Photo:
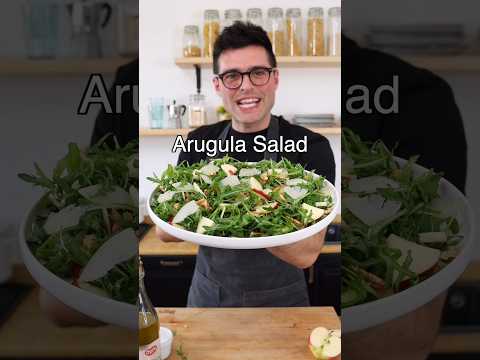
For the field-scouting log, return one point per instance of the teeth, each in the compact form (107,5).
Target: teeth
(249,101)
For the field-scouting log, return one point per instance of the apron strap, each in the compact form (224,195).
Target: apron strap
(273,132)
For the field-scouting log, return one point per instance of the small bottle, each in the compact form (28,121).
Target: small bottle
(335,31)
(191,41)
(232,15)
(315,32)
(211,30)
(197,115)
(254,16)
(276,30)
(148,325)
(294,32)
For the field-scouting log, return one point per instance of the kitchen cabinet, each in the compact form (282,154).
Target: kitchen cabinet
(168,274)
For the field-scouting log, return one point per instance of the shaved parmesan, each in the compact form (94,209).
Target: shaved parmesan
(315,212)
(197,189)
(297,181)
(65,218)
(265,209)
(184,187)
(206,179)
(119,248)
(248,172)
(281,173)
(209,169)
(372,184)
(113,198)
(433,237)
(295,192)
(321,204)
(231,180)
(204,222)
(423,257)
(186,210)
(371,209)
(166,196)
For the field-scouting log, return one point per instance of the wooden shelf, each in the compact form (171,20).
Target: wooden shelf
(458,63)
(26,67)
(283,61)
(174,132)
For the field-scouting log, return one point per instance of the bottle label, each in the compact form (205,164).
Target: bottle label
(150,351)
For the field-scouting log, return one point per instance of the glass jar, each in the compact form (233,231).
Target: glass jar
(294,32)
(254,16)
(276,30)
(197,115)
(315,32)
(232,15)
(211,30)
(335,31)
(191,41)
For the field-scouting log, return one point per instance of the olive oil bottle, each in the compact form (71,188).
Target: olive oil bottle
(148,325)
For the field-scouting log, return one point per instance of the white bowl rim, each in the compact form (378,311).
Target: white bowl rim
(242,242)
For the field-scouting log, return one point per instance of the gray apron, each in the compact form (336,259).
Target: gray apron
(246,278)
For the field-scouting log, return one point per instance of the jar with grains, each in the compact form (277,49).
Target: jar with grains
(315,32)
(232,15)
(211,30)
(191,41)
(254,16)
(334,31)
(276,30)
(294,32)
(197,115)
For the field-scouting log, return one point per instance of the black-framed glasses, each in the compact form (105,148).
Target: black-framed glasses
(233,79)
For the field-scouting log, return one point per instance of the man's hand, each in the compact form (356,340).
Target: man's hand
(162,235)
(301,254)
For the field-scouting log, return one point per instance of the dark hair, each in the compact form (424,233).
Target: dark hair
(239,35)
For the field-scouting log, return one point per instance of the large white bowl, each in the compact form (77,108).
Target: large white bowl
(106,310)
(451,202)
(247,243)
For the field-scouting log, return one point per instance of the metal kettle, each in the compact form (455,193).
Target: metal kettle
(88,18)
(176,112)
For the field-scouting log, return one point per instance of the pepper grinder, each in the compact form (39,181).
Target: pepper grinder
(175,113)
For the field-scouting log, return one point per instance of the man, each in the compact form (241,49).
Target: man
(246,78)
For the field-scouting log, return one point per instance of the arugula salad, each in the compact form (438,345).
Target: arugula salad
(84,229)
(229,198)
(392,235)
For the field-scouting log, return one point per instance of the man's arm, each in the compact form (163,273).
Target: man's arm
(301,254)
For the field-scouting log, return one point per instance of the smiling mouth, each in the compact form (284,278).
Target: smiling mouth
(248,103)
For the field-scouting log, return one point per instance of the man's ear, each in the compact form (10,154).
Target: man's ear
(216,84)
(276,77)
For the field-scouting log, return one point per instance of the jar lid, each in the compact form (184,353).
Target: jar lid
(254,13)
(275,12)
(315,12)
(335,11)
(190,29)
(211,14)
(293,12)
(233,14)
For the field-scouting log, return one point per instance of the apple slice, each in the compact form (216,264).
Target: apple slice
(229,169)
(255,184)
(315,212)
(325,344)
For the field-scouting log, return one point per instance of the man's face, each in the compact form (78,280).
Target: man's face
(249,104)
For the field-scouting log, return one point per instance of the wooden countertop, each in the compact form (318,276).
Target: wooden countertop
(152,246)
(28,333)
(246,333)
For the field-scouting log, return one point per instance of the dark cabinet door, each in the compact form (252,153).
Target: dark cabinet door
(168,279)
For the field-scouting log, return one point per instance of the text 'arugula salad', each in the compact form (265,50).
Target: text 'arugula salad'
(229,198)
(392,235)
(84,231)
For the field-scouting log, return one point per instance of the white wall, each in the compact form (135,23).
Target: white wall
(161,30)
